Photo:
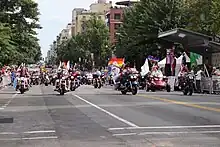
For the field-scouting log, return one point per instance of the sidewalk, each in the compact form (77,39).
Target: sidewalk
(5,81)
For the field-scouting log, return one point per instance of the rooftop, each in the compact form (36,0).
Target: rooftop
(127,3)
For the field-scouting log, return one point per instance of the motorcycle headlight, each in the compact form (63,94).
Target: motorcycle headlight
(72,77)
(134,77)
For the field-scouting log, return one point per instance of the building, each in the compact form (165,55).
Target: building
(51,53)
(81,16)
(75,12)
(114,21)
(215,59)
(114,18)
(65,34)
(101,7)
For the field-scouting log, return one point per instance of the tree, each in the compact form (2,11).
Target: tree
(93,40)
(205,17)
(97,40)
(21,17)
(138,36)
(6,45)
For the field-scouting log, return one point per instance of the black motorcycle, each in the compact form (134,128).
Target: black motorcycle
(142,82)
(129,85)
(72,83)
(97,82)
(35,80)
(110,80)
(188,84)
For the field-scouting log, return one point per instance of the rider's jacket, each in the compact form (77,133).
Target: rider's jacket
(23,72)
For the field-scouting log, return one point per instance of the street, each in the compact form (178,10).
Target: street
(92,117)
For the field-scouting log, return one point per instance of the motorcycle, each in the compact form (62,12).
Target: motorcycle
(97,83)
(83,80)
(188,84)
(142,82)
(103,79)
(53,80)
(110,80)
(46,80)
(78,81)
(131,85)
(157,83)
(22,85)
(88,79)
(61,86)
(72,83)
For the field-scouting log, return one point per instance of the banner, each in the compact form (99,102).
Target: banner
(152,58)
(116,62)
(145,68)
(65,65)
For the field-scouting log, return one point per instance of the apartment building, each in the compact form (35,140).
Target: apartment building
(114,18)
(65,34)
(75,13)
(100,8)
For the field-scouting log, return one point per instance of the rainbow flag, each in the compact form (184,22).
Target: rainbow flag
(116,62)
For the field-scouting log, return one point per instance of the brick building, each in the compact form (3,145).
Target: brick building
(114,20)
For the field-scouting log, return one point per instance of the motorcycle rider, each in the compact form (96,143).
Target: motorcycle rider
(124,72)
(23,72)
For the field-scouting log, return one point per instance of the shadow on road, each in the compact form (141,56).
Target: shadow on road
(8,93)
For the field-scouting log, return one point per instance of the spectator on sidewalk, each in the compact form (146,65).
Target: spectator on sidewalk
(198,80)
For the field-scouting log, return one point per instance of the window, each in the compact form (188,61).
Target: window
(117,16)
(117,26)
(83,27)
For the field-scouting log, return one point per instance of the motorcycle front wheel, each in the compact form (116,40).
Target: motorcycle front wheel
(22,90)
(185,91)
(134,90)
(191,89)
(124,92)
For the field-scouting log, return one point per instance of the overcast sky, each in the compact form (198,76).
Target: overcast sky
(55,15)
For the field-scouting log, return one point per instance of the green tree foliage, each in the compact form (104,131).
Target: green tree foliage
(94,39)
(19,20)
(205,16)
(138,36)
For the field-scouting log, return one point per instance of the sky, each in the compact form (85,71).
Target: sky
(55,15)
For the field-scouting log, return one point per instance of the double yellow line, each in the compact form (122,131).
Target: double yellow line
(181,103)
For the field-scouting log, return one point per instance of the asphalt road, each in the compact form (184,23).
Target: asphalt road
(102,117)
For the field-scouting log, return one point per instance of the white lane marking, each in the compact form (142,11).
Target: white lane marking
(166,127)
(43,131)
(5,105)
(107,112)
(167,133)
(8,133)
(28,132)
(1,108)
(37,138)
(28,138)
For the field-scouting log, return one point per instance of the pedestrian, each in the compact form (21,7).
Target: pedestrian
(198,80)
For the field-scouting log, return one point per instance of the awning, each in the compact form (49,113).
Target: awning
(214,47)
(192,41)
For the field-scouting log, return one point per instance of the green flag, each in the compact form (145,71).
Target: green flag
(195,59)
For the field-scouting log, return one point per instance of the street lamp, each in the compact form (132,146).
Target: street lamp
(92,57)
